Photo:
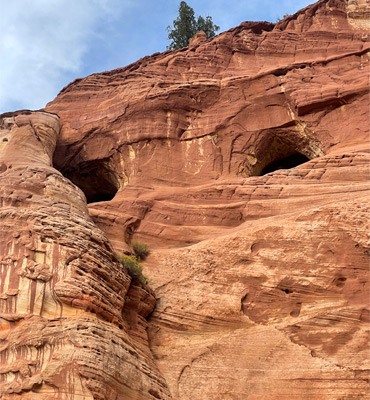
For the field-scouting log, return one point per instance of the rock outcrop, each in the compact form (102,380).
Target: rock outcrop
(157,131)
(63,294)
(198,38)
(244,162)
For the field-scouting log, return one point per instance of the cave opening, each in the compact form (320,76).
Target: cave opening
(288,162)
(96,179)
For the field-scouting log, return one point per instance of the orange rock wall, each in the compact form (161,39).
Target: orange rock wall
(261,280)
(220,110)
(63,333)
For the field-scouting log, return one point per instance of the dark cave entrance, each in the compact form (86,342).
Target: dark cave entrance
(96,179)
(288,162)
(272,152)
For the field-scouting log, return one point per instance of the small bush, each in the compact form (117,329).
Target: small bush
(133,268)
(141,250)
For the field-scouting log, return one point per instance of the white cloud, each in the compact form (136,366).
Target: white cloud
(42,45)
(45,44)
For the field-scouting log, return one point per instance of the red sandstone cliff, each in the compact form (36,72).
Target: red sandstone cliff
(64,332)
(261,275)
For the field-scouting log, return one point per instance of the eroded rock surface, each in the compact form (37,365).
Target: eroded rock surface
(63,333)
(180,123)
(273,300)
(244,162)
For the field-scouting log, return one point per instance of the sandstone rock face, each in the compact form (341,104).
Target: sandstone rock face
(63,333)
(159,130)
(244,162)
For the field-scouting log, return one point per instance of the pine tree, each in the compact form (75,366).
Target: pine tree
(207,26)
(185,26)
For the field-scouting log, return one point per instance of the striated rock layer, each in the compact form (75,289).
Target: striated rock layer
(180,124)
(244,162)
(63,294)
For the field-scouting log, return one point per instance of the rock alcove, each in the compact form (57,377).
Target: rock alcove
(272,153)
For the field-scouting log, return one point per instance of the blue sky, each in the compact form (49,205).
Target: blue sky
(45,44)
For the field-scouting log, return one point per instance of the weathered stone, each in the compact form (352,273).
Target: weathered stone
(158,130)
(62,291)
(198,38)
(244,162)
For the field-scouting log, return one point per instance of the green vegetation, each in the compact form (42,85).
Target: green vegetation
(141,250)
(280,19)
(185,26)
(133,268)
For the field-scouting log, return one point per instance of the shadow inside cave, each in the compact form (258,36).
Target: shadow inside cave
(96,179)
(285,163)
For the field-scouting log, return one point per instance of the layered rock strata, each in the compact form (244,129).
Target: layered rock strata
(279,308)
(273,300)
(220,110)
(63,331)
(244,162)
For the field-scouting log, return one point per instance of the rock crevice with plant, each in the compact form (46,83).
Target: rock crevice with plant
(132,263)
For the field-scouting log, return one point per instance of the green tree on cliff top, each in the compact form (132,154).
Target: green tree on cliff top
(185,26)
